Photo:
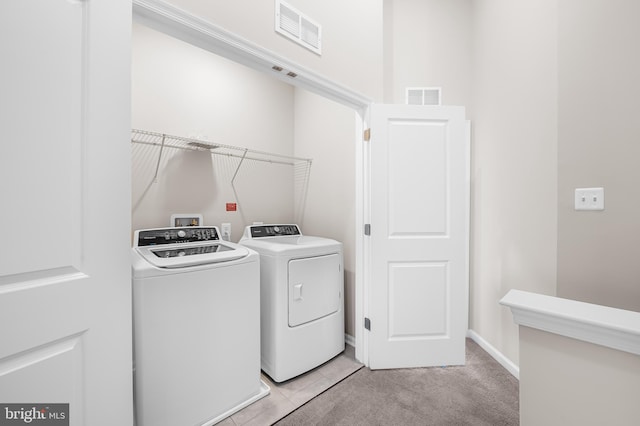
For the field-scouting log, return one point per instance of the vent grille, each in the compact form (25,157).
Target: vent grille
(298,27)
(289,21)
(423,96)
(310,33)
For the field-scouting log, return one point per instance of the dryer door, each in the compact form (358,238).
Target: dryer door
(315,288)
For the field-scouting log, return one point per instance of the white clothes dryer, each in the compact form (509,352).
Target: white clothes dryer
(196,317)
(301,298)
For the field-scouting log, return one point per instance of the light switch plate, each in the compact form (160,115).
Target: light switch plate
(589,199)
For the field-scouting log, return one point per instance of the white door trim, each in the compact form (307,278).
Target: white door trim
(169,19)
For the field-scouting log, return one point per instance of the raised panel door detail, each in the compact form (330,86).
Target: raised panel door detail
(412,288)
(40,166)
(54,369)
(418,178)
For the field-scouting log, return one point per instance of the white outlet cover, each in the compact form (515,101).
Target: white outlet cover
(589,199)
(225,230)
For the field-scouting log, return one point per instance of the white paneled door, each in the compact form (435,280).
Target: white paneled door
(419,177)
(65,286)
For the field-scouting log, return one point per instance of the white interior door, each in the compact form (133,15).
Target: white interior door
(419,174)
(65,286)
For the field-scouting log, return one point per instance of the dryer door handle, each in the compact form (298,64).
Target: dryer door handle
(297,292)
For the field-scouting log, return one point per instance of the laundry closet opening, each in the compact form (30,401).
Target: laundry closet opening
(182,90)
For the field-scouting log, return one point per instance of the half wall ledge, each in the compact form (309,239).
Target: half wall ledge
(610,327)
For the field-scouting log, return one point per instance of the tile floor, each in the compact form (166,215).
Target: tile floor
(287,396)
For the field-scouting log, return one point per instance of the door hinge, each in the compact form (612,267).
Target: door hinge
(367,229)
(367,323)
(367,135)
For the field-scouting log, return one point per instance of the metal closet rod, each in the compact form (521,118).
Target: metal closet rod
(163,140)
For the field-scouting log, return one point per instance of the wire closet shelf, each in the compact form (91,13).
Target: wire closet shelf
(163,140)
(302,166)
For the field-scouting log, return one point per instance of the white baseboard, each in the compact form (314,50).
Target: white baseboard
(496,354)
(350,340)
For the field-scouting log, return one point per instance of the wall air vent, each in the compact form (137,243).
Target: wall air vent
(423,95)
(297,27)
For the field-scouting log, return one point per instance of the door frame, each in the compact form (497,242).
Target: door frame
(194,30)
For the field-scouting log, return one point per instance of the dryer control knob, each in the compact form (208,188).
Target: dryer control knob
(181,233)
(276,228)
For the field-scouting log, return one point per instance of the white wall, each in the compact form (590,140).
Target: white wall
(325,131)
(514,176)
(555,91)
(351,35)
(599,100)
(185,91)
(498,59)
(428,43)
(564,381)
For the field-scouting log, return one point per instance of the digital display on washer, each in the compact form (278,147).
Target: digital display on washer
(191,251)
(192,234)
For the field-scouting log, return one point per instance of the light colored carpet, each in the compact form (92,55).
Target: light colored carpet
(480,393)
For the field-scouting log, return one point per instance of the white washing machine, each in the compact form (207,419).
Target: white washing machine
(301,298)
(196,316)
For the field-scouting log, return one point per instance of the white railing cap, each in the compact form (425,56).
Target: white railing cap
(611,327)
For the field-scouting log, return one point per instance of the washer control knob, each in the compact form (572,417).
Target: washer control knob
(182,234)
(276,228)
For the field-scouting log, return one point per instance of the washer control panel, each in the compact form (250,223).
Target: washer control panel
(258,231)
(188,234)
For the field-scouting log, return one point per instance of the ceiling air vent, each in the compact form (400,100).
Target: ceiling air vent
(423,95)
(297,27)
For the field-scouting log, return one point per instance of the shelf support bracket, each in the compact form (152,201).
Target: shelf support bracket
(155,176)
(233,186)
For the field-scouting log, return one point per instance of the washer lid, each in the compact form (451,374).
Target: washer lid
(185,246)
(183,255)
